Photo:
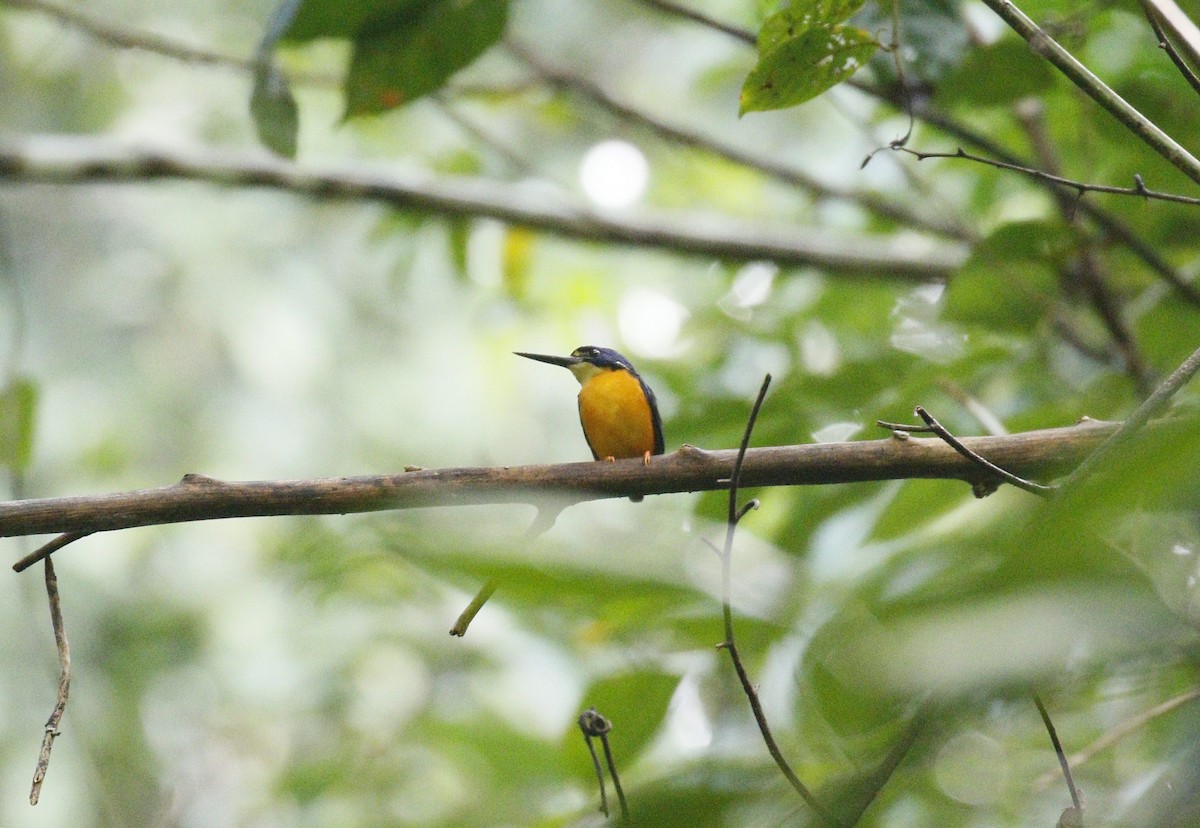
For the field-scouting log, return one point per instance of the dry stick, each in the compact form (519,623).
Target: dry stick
(1058,750)
(730,643)
(1112,226)
(1154,405)
(1139,188)
(612,772)
(64,683)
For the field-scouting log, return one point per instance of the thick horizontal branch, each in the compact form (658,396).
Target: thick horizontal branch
(74,160)
(1029,454)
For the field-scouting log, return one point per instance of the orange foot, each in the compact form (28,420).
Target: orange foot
(610,459)
(646,459)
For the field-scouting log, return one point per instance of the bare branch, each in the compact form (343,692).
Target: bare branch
(77,160)
(1059,752)
(64,683)
(736,513)
(1120,731)
(676,10)
(982,462)
(1096,89)
(1139,189)
(125,39)
(1159,12)
(196,497)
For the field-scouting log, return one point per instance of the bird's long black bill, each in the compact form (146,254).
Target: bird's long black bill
(565,362)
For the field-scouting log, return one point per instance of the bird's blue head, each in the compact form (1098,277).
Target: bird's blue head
(586,361)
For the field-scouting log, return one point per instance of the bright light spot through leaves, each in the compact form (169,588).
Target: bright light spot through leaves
(614,174)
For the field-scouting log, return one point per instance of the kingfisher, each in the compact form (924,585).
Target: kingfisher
(617,409)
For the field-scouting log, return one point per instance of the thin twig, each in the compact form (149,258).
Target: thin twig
(1123,729)
(43,552)
(896,48)
(1005,475)
(542,522)
(1139,188)
(595,726)
(1154,405)
(586,726)
(1167,46)
(612,772)
(1183,30)
(64,683)
(468,615)
(730,642)
(1058,750)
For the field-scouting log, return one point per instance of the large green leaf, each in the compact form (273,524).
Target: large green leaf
(796,63)
(400,57)
(635,704)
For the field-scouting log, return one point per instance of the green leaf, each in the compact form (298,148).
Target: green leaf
(401,57)
(997,75)
(796,20)
(800,68)
(318,19)
(273,108)
(635,704)
(1011,280)
(18,404)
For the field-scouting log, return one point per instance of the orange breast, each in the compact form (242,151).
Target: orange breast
(616,416)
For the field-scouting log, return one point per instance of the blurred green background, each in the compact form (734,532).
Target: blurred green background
(298,671)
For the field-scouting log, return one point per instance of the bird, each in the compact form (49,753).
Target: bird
(617,409)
